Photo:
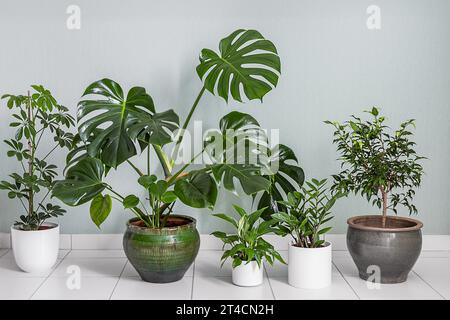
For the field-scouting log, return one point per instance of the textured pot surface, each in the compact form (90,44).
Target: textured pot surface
(309,268)
(247,274)
(385,254)
(162,255)
(35,251)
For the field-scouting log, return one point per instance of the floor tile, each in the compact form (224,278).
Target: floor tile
(18,288)
(439,283)
(413,288)
(338,290)
(89,267)
(221,288)
(9,269)
(135,289)
(3,252)
(130,271)
(90,288)
(208,264)
(433,267)
(278,269)
(96,254)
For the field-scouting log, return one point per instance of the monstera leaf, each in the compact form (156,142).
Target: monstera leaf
(246,59)
(249,176)
(197,190)
(83,182)
(156,128)
(284,176)
(239,140)
(112,132)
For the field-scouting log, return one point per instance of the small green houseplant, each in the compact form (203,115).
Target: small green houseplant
(37,116)
(307,212)
(383,166)
(114,127)
(248,248)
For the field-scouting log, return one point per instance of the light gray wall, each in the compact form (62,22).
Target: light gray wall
(333,66)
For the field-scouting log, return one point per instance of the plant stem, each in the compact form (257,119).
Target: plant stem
(185,125)
(139,172)
(167,167)
(30,161)
(50,152)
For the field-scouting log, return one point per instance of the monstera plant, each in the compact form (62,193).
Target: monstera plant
(114,127)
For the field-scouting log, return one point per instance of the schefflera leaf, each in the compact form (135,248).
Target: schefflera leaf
(245,59)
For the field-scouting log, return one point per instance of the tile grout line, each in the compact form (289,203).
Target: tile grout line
(6,252)
(193,275)
(426,282)
(268,280)
(345,279)
(47,277)
(120,276)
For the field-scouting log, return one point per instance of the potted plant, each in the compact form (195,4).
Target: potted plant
(383,167)
(309,257)
(248,249)
(114,126)
(35,241)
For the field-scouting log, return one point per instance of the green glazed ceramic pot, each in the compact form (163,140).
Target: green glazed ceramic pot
(162,255)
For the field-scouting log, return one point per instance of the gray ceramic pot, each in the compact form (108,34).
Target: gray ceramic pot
(392,249)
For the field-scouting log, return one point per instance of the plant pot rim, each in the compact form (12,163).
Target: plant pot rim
(51,225)
(327,245)
(356,223)
(191,225)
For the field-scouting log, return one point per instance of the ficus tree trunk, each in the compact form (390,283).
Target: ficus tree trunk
(385,205)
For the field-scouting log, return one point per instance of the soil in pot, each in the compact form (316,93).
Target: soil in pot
(384,254)
(165,254)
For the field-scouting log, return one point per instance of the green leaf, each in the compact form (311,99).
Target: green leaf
(157,189)
(197,190)
(169,197)
(130,201)
(147,180)
(249,177)
(109,129)
(230,69)
(83,182)
(226,218)
(100,208)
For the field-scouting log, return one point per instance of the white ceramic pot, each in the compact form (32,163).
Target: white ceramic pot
(309,268)
(35,251)
(247,274)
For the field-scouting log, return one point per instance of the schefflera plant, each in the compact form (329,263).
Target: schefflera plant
(114,128)
(380,164)
(37,116)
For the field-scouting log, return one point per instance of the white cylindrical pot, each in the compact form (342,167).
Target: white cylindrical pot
(309,268)
(247,274)
(35,251)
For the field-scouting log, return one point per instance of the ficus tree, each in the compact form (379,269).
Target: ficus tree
(114,127)
(380,164)
(37,116)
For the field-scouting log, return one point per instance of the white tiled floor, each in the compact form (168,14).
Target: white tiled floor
(106,274)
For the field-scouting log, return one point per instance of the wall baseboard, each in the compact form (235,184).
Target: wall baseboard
(208,242)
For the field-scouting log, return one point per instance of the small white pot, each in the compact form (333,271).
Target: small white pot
(309,268)
(247,274)
(35,251)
